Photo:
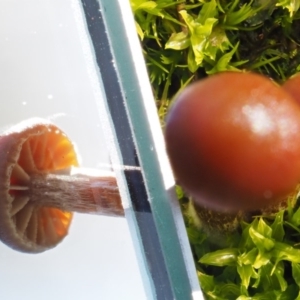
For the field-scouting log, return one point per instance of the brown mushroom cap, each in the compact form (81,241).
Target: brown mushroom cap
(32,147)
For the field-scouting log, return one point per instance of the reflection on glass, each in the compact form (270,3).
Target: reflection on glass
(46,71)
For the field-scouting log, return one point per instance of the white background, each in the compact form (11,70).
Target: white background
(43,73)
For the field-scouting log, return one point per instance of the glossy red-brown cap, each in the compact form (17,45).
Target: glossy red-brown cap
(233,140)
(292,86)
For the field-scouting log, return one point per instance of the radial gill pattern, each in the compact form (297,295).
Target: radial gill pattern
(40,148)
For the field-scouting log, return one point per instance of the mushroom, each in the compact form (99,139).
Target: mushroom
(41,185)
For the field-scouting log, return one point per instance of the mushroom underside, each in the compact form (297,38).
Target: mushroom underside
(24,225)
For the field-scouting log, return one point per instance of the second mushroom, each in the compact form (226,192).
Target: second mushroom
(41,185)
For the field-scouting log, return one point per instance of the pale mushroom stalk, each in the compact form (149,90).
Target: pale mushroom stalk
(72,189)
(41,186)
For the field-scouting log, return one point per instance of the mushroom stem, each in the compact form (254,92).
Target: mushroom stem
(40,188)
(75,189)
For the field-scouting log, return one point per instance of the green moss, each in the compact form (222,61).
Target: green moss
(238,256)
(186,40)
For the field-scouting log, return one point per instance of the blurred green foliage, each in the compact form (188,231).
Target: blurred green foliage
(187,40)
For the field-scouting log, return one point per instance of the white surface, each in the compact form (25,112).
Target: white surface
(43,74)
(96,261)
